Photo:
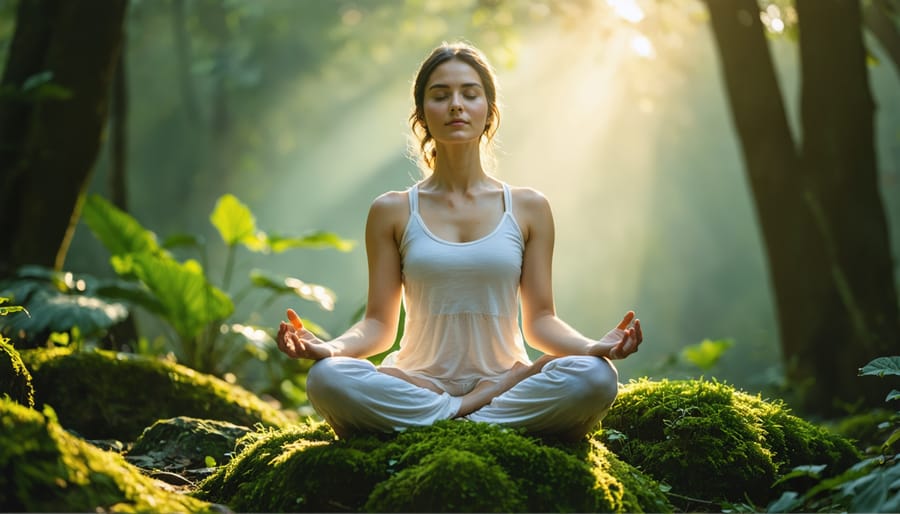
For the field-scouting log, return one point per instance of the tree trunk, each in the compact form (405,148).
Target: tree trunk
(118,183)
(49,145)
(822,345)
(839,159)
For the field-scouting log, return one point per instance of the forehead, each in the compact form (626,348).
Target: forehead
(454,72)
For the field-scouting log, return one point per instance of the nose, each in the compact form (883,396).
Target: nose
(455,104)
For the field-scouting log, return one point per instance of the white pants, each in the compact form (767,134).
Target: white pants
(566,399)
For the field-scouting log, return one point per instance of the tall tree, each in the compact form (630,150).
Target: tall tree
(817,200)
(53,111)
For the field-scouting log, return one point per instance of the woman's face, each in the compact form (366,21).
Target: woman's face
(455,106)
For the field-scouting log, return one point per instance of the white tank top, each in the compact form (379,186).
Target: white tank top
(462,303)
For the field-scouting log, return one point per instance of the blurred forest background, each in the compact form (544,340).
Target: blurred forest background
(630,115)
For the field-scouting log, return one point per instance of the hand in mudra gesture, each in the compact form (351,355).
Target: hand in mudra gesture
(621,341)
(298,343)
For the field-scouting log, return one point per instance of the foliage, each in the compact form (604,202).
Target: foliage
(107,395)
(15,381)
(746,442)
(453,465)
(706,353)
(67,307)
(182,293)
(870,485)
(44,468)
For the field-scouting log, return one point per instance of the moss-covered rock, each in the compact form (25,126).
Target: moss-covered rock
(43,468)
(108,395)
(708,440)
(180,443)
(450,466)
(15,380)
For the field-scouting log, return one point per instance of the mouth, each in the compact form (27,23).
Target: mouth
(457,123)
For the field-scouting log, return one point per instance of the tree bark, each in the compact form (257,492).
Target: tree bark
(837,113)
(49,146)
(118,170)
(825,309)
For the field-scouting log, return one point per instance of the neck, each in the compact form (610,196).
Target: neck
(458,167)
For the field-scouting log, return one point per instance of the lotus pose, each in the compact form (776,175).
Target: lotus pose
(468,255)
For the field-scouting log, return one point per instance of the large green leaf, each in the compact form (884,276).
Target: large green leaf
(188,300)
(234,221)
(281,284)
(117,230)
(881,366)
(314,240)
(52,311)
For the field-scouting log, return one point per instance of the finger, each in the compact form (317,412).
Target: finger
(295,319)
(639,333)
(626,320)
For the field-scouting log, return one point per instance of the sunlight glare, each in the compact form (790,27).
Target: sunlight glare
(628,10)
(642,46)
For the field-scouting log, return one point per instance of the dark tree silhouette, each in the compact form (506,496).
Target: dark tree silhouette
(817,199)
(50,136)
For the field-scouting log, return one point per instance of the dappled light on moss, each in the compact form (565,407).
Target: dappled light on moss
(452,465)
(15,380)
(43,468)
(685,432)
(102,394)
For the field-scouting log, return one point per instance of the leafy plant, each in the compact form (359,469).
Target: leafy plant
(68,307)
(182,293)
(871,485)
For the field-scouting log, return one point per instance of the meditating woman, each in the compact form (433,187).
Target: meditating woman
(467,254)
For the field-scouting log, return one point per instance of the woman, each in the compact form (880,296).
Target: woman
(462,248)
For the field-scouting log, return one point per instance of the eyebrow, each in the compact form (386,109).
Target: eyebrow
(445,86)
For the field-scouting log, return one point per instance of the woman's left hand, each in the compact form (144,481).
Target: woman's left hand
(621,341)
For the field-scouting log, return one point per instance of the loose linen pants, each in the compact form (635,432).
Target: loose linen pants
(566,399)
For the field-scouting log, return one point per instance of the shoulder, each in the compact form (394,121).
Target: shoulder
(389,212)
(391,201)
(528,198)
(532,211)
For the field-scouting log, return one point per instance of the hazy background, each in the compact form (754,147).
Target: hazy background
(613,109)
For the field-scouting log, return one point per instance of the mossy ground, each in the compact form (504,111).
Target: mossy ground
(15,380)
(704,439)
(452,466)
(43,468)
(710,441)
(108,395)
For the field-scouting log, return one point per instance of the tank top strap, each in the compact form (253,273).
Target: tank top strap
(413,193)
(507,198)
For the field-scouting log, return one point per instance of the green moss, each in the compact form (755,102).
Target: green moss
(108,395)
(43,468)
(483,486)
(710,441)
(452,465)
(15,380)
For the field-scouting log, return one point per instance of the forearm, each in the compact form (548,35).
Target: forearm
(553,336)
(367,337)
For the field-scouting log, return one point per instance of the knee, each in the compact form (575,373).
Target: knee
(595,381)
(329,377)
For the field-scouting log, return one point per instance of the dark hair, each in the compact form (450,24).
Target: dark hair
(443,53)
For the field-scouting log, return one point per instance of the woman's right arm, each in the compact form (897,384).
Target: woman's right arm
(375,333)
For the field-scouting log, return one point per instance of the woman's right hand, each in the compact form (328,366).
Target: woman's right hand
(301,343)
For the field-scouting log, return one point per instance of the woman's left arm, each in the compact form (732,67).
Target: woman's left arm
(542,328)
